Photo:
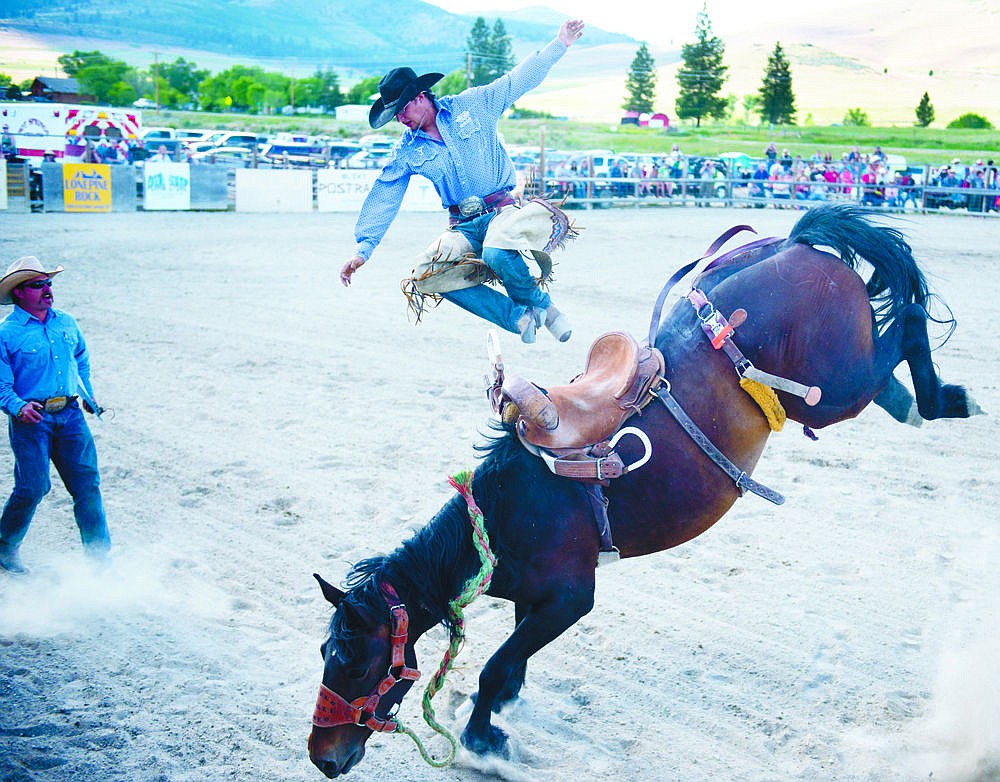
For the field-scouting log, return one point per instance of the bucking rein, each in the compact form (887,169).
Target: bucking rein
(621,377)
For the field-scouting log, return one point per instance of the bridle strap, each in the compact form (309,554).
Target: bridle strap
(333,710)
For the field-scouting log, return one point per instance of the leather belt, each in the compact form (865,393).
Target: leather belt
(55,404)
(474,206)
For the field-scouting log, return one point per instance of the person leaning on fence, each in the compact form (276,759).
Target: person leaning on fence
(44,370)
(453,141)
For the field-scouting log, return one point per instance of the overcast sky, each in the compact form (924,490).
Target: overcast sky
(658,23)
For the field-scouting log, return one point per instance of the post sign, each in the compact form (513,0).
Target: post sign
(86,187)
(343,189)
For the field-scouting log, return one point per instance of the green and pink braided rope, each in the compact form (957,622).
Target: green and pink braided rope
(474,587)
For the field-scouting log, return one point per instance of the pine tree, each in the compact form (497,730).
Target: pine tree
(501,50)
(480,50)
(777,101)
(641,82)
(702,75)
(925,111)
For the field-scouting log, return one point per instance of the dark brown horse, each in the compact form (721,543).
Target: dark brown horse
(811,317)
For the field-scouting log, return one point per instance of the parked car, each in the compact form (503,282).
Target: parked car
(226,138)
(233,157)
(368,158)
(292,154)
(151,134)
(341,151)
(191,134)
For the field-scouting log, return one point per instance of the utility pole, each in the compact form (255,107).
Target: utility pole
(156,81)
(468,70)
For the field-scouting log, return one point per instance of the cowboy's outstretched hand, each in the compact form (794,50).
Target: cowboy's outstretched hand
(349,268)
(571,31)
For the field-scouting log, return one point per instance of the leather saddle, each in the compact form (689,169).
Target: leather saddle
(615,383)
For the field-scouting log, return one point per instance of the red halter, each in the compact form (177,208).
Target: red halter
(333,710)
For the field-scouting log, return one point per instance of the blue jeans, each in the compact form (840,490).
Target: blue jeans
(65,438)
(487,302)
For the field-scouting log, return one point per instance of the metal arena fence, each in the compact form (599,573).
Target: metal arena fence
(26,190)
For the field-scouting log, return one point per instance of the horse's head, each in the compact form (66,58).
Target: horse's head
(368,666)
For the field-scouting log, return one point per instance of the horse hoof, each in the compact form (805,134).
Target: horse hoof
(493,743)
(972,407)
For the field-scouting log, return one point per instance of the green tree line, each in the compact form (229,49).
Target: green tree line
(702,75)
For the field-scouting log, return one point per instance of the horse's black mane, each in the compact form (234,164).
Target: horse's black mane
(429,569)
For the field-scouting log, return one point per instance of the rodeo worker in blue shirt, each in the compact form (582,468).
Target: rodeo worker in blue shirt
(453,142)
(44,370)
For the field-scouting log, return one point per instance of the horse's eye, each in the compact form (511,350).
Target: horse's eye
(357,671)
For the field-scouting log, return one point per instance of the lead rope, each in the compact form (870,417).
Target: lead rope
(474,587)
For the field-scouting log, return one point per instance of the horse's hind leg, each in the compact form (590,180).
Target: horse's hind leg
(934,398)
(898,402)
(540,626)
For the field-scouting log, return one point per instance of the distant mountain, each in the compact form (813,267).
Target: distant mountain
(347,35)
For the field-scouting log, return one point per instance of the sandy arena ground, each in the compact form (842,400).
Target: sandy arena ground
(269,423)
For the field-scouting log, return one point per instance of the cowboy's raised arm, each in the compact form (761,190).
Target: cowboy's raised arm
(500,94)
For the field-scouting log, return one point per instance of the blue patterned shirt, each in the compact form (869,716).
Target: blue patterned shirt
(469,161)
(41,360)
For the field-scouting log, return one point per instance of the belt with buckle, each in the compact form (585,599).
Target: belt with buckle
(474,206)
(55,404)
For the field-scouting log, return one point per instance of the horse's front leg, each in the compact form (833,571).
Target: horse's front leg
(511,688)
(540,625)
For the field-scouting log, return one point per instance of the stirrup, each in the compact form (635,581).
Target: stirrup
(608,557)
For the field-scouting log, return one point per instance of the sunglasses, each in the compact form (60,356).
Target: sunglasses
(37,285)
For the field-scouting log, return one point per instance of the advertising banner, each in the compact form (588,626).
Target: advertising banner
(86,187)
(343,189)
(167,186)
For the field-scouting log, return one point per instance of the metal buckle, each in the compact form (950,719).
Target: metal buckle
(56,404)
(471,206)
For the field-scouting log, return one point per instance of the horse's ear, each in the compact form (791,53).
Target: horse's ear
(330,592)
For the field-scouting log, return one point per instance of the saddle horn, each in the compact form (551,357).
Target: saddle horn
(532,403)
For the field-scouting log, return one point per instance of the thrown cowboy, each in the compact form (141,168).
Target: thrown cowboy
(44,370)
(453,142)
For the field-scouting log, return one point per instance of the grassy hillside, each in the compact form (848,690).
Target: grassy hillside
(879,60)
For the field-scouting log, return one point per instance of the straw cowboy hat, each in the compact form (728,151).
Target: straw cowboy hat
(397,88)
(22,270)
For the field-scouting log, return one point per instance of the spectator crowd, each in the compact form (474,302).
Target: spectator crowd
(783,181)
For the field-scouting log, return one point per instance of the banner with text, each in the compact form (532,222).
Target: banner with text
(345,189)
(86,187)
(167,186)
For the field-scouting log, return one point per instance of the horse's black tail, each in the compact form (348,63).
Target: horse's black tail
(850,230)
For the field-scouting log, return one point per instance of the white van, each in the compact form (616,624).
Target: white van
(601,159)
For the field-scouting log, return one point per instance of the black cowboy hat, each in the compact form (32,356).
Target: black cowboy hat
(397,88)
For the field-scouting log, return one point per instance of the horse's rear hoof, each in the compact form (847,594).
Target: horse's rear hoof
(493,743)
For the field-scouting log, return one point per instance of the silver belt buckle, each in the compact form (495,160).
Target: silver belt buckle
(56,404)
(471,206)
